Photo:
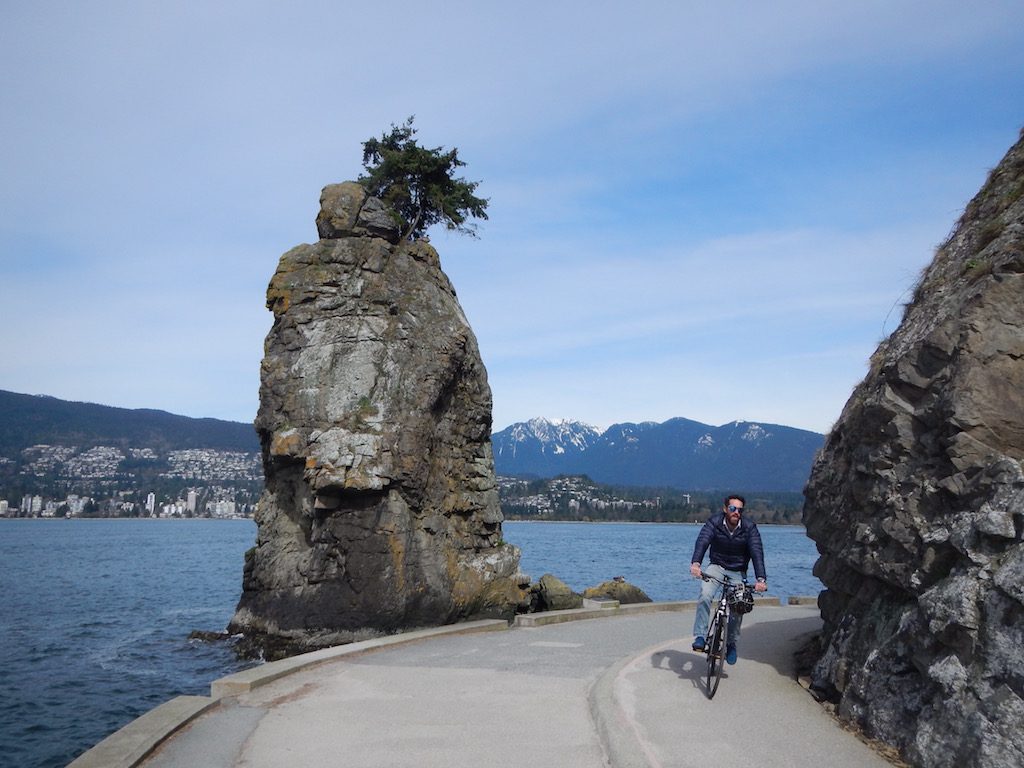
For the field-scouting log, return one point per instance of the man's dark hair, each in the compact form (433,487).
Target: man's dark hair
(736,496)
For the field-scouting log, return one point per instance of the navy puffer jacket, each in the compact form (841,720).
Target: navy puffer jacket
(732,552)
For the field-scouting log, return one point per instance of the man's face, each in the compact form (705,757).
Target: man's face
(733,511)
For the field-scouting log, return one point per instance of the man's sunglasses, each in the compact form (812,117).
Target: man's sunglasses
(734,508)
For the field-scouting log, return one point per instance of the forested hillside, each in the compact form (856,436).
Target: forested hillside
(27,420)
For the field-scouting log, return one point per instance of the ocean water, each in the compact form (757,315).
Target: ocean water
(652,556)
(94,624)
(95,614)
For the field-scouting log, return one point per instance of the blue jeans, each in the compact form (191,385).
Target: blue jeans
(711,592)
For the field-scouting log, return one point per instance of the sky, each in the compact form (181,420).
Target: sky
(707,210)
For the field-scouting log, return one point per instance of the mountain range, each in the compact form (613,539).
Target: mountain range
(678,453)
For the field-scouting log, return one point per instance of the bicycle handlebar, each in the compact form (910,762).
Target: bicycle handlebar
(727,582)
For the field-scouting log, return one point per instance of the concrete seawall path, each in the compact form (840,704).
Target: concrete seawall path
(620,690)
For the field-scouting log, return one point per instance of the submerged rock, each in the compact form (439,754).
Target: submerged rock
(381,508)
(916,504)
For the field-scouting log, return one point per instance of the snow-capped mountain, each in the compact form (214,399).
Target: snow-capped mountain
(542,446)
(678,453)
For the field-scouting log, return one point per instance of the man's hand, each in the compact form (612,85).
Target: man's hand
(761,586)
(695,570)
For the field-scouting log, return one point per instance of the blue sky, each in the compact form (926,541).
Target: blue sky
(701,210)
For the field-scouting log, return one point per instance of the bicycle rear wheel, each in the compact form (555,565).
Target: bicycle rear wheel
(716,655)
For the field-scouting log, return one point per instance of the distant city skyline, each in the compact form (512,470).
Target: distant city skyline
(698,211)
(73,480)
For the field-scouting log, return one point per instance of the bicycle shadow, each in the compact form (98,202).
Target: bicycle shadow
(772,643)
(687,665)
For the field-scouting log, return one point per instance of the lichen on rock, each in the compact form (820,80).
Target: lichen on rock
(916,503)
(381,507)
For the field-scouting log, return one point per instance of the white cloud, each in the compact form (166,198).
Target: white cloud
(669,183)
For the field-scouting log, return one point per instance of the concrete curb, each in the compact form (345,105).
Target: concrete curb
(614,729)
(247,680)
(801,600)
(130,745)
(613,608)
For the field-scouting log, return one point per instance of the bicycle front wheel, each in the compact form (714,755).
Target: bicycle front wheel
(716,655)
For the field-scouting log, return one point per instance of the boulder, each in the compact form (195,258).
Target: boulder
(380,511)
(553,594)
(617,589)
(347,211)
(916,503)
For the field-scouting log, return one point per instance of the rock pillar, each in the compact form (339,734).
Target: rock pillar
(381,509)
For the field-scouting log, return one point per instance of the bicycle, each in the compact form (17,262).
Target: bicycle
(738,597)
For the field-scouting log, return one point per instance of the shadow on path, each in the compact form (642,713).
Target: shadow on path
(687,665)
(772,643)
(775,643)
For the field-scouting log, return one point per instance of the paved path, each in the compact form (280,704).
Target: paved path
(619,691)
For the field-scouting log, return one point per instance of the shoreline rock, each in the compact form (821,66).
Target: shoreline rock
(380,511)
(916,504)
(617,589)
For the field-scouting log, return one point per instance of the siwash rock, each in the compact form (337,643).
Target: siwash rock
(916,504)
(381,508)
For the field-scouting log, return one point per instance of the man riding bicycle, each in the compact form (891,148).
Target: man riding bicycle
(734,542)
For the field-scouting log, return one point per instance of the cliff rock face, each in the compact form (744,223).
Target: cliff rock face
(381,508)
(916,504)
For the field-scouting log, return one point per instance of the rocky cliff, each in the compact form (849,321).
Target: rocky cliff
(916,504)
(381,508)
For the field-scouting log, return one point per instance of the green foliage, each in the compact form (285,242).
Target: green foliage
(417,183)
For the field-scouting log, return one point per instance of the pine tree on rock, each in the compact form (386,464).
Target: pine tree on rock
(418,185)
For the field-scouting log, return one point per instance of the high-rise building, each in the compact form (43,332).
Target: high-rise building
(151,503)
(190,505)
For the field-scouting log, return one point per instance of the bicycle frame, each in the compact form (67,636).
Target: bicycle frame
(718,630)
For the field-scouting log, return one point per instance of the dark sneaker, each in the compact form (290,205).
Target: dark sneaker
(730,654)
(698,643)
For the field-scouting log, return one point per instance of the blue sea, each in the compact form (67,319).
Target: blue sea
(95,614)
(653,556)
